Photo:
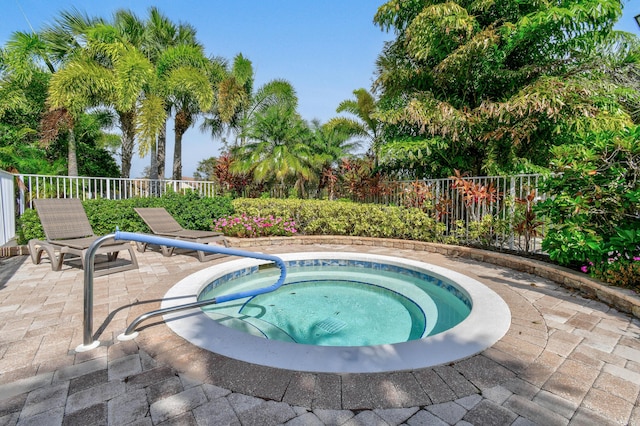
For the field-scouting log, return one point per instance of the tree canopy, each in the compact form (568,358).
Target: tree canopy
(491,86)
(485,87)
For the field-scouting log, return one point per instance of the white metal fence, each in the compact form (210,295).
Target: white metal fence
(7,208)
(491,211)
(40,186)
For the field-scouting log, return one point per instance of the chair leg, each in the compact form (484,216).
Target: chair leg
(205,256)
(37,247)
(134,259)
(108,270)
(167,251)
(35,250)
(57,265)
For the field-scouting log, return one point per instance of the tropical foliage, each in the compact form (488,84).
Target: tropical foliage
(141,70)
(594,213)
(237,104)
(317,217)
(24,146)
(464,88)
(492,86)
(364,125)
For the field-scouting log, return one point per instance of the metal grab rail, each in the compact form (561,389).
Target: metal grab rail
(88,342)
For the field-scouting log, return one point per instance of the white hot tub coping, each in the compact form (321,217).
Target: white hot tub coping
(488,322)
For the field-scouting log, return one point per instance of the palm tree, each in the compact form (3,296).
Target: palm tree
(237,104)
(365,124)
(277,148)
(330,144)
(64,40)
(187,85)
(161,35)
(25,55)
(26,52)
(109,71)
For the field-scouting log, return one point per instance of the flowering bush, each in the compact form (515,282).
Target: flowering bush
(593,215)
(245,226)
(618,269)
(323,217)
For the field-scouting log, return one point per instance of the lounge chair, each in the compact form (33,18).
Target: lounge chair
(68,231)
(163,224)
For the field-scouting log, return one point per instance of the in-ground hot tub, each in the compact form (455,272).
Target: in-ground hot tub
(413,314)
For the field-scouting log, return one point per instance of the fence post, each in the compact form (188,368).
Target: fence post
(512,212)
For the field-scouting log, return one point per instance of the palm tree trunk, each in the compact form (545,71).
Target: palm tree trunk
(127,125)
(182,123)
(154,185)
(72,160)
(153,167)
(177,154)
(162,148)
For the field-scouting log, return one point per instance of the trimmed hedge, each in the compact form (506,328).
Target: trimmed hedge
(190,210)
(322,217)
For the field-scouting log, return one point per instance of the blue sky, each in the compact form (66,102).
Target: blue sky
(326,48)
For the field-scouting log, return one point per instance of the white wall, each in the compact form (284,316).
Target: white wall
(7,208)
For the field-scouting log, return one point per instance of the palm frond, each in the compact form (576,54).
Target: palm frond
(80,84)
(275,92)
(242,71)
(150,119)
(190,82)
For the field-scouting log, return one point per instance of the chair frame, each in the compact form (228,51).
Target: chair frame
(161,223)
(68,231)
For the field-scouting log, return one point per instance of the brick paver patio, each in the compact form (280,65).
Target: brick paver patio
(566,359)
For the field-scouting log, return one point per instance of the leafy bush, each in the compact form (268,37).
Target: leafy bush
(621,272)
(254,226)
(322,217)
(594,213)
(485,232)
(29,227)
(190,210)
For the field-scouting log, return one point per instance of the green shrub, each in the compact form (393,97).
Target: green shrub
(254,226)
(29,227)
(322,217)
(190,210)
(485,232)
(594,211)
(621,272)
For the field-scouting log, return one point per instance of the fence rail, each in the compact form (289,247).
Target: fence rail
(40,186)
(487,211)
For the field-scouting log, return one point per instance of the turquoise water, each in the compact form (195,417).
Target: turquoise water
(339,306)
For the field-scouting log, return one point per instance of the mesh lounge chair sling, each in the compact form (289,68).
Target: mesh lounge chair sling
(68,230)
(163,224)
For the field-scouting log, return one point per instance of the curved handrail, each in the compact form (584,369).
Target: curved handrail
(88,342)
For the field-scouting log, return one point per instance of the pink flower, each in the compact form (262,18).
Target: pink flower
(636,258)
(584,269)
